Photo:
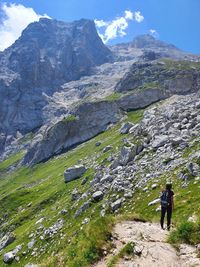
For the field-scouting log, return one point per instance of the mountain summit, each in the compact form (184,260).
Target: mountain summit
(148,41)
(51,52)
(48,54)
(55,65)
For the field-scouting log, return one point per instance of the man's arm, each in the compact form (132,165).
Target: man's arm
(172,201)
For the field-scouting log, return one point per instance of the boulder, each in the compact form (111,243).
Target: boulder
(31,244)
(83,208)
(64,212)
(126,127)
(97,196)
(106,179)
(74,173)
(177,141)
(155,201)
(8,257)
(107,148)
(127,154)
(75,195)
(159,141)
(98,143)
(6,240)
(193,169)
(116,205)
(134,129)
(154,186)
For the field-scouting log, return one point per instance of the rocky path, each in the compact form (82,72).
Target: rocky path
(151,248)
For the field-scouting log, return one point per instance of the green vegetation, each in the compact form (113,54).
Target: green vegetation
(29,194)
(113,97)
(127,250)
(186,232)
(12,160)
(87,247)
(69,118)
(180,64)
(152,85)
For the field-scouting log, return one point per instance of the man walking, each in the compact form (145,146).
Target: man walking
(167,205)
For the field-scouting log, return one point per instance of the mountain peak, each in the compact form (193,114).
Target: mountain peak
(149,41)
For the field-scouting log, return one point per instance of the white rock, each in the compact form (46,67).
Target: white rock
(8,257)
(74,172)
(155,201)
(154,186)
(40,221)
(31,244)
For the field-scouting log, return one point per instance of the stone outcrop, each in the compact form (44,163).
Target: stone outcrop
(91,119)
(165,79)
(126,127)
(73,173)
(167,75)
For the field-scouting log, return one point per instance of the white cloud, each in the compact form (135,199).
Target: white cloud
(116,28)
(100,23)
(16,18)
(154,33)
(128,14)
(138,16)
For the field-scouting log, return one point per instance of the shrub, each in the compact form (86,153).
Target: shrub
(187,232)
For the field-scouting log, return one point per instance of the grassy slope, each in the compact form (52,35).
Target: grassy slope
(44,188)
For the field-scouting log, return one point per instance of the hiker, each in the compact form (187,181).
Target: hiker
(167,205)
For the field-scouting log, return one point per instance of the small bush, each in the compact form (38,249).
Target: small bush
(126,250)
(186,232)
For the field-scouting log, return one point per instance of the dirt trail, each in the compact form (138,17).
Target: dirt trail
(151,247)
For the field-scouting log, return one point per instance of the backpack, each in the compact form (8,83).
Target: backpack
(164,199)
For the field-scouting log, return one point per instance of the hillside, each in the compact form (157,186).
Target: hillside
(58,224)
(87,150)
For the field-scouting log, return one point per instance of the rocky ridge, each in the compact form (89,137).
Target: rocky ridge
(151,148)
(48,54)
(162,136)
(37,95)
(146,83)
(106,182)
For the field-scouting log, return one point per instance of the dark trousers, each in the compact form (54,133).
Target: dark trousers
(169,215)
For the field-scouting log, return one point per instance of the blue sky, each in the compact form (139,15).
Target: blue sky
(175,21)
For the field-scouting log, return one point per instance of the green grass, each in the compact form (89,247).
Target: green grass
(69,118)
(152,85)
(28,194)
(43,186)
(186,232)
(12,160)
(127,250)
(113,97)
(180,64)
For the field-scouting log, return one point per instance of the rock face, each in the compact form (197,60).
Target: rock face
(48,54)
(91,119)
(39,86)
(148,83)
(74,173)
(167,75)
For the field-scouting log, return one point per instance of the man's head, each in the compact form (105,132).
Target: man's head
(168,185)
